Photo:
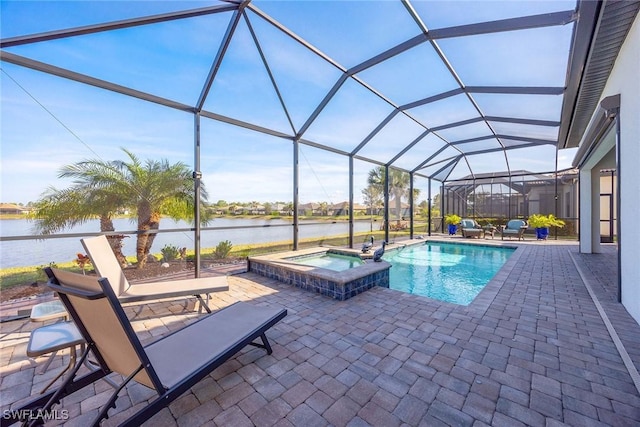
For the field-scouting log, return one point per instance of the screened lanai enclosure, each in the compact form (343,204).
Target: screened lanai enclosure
(410,109)
(488,198)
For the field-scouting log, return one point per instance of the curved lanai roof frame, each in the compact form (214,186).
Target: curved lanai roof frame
(484,132)
(438,92)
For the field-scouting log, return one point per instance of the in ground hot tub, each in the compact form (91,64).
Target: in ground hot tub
(330,272)
(329,260)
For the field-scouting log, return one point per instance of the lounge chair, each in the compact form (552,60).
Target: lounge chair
(169,366)
(470,228)
(515,227)
(106,265)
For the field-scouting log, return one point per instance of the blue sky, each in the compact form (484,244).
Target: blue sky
(48,122)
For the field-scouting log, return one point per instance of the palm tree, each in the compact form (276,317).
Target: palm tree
(324,208)
(372,198)
(288,207)
(60,209)
(150,190)
(398,185)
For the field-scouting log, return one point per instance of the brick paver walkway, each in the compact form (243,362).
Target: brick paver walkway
(531,350)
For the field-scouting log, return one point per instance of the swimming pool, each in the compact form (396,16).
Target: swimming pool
(448,272)
(330,261)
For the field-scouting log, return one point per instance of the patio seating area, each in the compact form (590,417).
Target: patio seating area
(532,349)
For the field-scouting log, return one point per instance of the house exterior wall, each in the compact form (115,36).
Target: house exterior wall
(624,81)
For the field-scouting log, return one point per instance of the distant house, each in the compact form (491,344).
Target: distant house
(309,209)
(342,208)
(281,208)
(404,209)
(12,208)
(257,209)
(220,210)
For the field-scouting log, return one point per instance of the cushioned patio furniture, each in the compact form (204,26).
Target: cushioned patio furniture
(170,366)
(470,228)
(516,228)
(106,265)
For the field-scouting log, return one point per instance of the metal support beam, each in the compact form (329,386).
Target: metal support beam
(246,125)
(431,99)
(386,203)
(226,40)
(550,123)
(351,202)
(375,131)
(115,25)
(448,165)
(517,90)
(296,201)
(256,42)
(337,85)
(502,25)
(511,24)
(429,207)
(294,36)
(442,210)
(197,178)
(396,50)
(411,206)
(91,81)
(408,147)
(428,159)
(538,141)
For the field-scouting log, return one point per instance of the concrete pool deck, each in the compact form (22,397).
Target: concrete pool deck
(536,352)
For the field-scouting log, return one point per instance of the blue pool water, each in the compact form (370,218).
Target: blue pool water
(449,272)
(330,261)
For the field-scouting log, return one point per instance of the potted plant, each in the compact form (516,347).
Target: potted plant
(452,220)
(542,223)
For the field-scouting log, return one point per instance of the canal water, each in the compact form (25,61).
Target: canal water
(17,253)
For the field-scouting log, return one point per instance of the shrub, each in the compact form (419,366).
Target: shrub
(545,221)
(42,276)
(82,261)
(452,219)
(169,253)
(223,249)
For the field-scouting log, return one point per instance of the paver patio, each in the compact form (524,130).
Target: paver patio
(531,350)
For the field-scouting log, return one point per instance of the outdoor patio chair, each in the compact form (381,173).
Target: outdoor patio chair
(515,227)
(106,265)
(170,366)
(470,228)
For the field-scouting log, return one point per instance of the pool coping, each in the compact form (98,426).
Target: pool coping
(487,295)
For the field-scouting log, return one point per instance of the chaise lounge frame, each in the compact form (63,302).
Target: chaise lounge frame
(106,265)
(170,365)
